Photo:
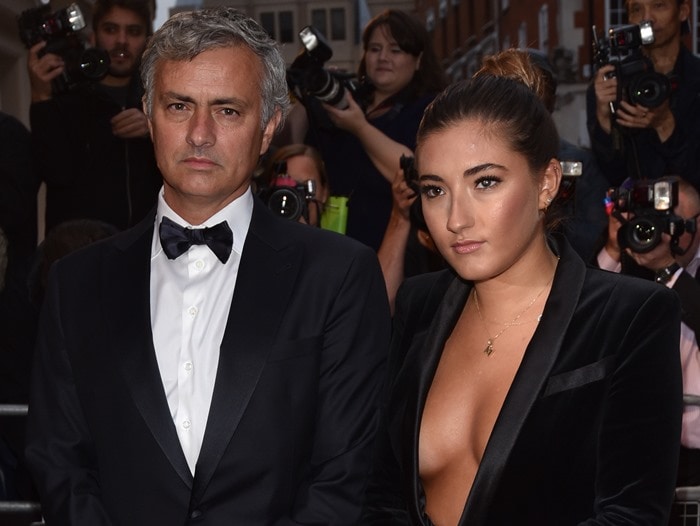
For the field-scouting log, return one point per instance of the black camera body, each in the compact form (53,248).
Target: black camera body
(650,204)
(60,30)
(286,197)
(637,82)
(307,76)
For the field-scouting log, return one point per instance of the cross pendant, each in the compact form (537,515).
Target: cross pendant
(489,348)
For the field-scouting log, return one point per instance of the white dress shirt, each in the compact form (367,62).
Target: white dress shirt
(190,301)
(690,355)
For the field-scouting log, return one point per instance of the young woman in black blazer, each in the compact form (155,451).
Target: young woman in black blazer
(524,387)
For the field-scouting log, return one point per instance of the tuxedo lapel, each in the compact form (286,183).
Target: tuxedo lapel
(532,374)
(126,276)
(265,281)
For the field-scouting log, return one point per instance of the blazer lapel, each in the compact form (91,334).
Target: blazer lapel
(423,357)
(534,370)
(264,283)
(126,275)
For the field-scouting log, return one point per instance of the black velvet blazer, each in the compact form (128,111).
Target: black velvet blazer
(589,431)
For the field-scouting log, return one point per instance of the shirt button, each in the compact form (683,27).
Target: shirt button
(188,366)
(192,311)
(199,264)
(186,423)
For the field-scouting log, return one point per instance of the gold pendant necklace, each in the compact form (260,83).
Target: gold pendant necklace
(488,350)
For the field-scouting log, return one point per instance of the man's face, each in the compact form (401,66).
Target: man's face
(205,125)
(666,17)
(122,34)
(689,209)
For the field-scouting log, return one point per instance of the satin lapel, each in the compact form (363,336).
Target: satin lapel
(540,356)
(424,355)
(266,278)
(127,280)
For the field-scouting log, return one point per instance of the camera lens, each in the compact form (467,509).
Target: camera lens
(94,64)
(640,234)
(326,88)
(649,89)
(286,203)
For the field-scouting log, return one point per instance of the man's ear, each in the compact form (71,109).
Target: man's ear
(269,131)
(549,186)
(144,107)
(684,11)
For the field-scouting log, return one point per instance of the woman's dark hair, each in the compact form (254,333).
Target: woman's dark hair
(508,105)
(413,38)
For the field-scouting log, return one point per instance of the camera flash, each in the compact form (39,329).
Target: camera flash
(646,32)
(75,17)
(308,38)
(662,195)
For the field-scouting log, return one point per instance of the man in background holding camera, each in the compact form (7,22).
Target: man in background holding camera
(91,139)
(673,262)
(642,142)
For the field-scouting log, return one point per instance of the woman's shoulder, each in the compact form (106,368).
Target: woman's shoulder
(624,292)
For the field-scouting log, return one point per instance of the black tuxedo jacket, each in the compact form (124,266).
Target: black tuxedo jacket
(293,414)
(589,431)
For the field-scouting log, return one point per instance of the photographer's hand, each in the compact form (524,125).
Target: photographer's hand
(42,70)
(351,119)
(612,247)
(605,94)
(383,151)
(637,116)
(130,123)
(658,258)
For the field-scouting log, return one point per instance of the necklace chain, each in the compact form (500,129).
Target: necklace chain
(488,350)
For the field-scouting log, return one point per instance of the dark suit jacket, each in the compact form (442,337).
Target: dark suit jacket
(589,431)
(292,419)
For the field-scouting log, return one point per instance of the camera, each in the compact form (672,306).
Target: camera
(410,174)
(638,83)
(650,204)
(286,197)
(307,77)
(60,30)
(571,171)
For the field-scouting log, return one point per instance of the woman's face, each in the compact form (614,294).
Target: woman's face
(302,168)
(481,202)
(388,66)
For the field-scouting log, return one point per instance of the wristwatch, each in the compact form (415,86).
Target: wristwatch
(665,274)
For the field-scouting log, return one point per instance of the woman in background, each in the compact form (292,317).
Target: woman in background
(401,74)
(297,164)
(523,387)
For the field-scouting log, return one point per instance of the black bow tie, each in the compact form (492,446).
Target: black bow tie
(176,240)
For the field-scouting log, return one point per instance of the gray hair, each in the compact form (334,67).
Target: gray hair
(186,35)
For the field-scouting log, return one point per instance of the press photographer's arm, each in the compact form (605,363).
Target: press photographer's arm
(383,151)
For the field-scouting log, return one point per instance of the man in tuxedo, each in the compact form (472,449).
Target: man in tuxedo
(226,372)
(676,268)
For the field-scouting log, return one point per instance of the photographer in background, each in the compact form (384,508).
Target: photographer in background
(361,150)
(290,169)
(91,141)
(677,269)
(641,142)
